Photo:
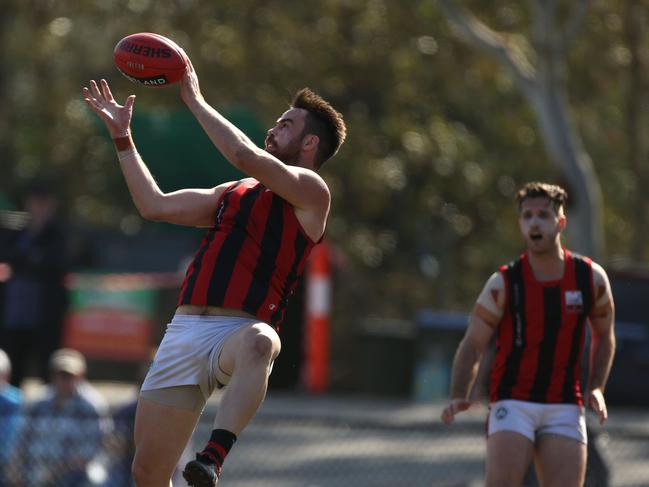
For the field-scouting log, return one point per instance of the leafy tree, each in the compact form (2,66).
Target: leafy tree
(439,135)
(538,67)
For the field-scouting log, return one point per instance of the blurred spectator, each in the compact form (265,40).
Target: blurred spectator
(10,403)
(122,447)
(35,299)
(63,433)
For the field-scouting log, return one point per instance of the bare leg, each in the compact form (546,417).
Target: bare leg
(560,461)
(246,356)
(508,456)
(161,433)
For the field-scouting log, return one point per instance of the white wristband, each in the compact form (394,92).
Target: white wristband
(126,154)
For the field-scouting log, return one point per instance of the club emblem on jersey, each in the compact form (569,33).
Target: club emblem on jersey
(501,412)
(574,302)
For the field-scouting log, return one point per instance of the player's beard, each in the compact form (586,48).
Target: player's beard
(289,154)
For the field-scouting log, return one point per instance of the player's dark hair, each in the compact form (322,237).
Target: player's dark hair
(322,120)
(556,194)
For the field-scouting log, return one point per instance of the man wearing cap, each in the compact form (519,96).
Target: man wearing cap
(63,431)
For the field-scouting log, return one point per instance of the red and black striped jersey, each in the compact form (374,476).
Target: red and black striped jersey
(540,338)
(253,256)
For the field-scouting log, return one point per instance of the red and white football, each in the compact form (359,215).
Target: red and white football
(150,59)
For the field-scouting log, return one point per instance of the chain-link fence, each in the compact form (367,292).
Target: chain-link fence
(288,451)
(301,449)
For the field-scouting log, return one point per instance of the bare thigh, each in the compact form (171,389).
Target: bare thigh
(161,434)
(560,461)
(508,457)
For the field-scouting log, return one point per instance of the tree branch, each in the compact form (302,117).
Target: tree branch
(480,35)
(575,21)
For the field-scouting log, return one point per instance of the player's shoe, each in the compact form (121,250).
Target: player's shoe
(199,473)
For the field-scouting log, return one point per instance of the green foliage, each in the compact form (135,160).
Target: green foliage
(439,137)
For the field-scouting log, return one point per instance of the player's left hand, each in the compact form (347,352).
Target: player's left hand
(595,401)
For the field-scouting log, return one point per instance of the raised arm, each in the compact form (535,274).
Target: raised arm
(301,187)
(602,347)
(192,207)
(483,322)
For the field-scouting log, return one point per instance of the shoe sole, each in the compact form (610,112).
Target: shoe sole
(196,476)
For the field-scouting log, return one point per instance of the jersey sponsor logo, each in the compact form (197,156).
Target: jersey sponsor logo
(574,302)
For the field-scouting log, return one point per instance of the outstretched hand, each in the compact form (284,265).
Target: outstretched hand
(595,401)
(454,407)
(116,117)
(190,90)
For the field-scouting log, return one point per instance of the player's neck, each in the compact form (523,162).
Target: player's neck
(547,266)
(300,162)
(306,161)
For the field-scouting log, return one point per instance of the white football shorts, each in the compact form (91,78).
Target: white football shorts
(532,419)
(189,352)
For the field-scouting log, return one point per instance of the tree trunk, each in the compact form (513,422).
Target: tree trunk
(544,87)
(635,28)
(585,231)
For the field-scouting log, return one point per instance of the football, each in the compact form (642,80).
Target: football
(150,59)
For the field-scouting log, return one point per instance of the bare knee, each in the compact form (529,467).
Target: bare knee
(260,347)
(502,481)
(141,474)
(146,474)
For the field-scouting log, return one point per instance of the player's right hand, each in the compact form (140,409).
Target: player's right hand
(116,117)
(190,90)
(595,400)
(454,407)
